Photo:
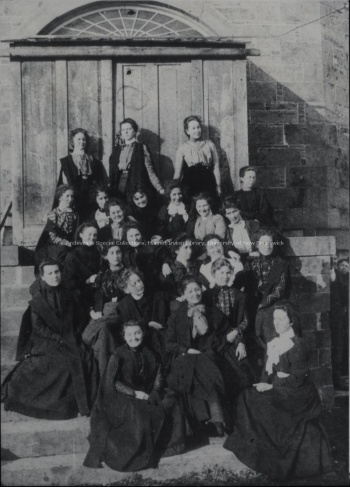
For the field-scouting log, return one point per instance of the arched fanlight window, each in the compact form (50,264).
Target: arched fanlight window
(121,21)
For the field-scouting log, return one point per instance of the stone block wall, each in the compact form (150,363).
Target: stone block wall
(309,260)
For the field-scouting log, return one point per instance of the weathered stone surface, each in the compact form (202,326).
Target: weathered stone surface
(314,302)
(271,177)
(11,320)
(303,91)
(299,11)
(301,246)
(8,347)
(311,134)
(341,237)
(316,198)
(327,395)
(325,357)
(9,255)
(27,275)
(282,156)
(261,135)
(273,116)
(322,375)
(9,276)
(15,296)
(261,92)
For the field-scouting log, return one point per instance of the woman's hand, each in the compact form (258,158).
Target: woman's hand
(166,270)
(241,352)
(181,299)
(231,336)
(115,299)
(95,315)
(141,395)
(161,191)
(193,351)
(155,325)
(262,386)
(91,279)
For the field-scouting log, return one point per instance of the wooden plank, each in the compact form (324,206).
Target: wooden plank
(84,101)
(39,161)
(240,120)
(197,87)
(149,132)
(119,97)
(184,99)
(16,142)
(134,97)
(155,52)
(61,113)
(107,103)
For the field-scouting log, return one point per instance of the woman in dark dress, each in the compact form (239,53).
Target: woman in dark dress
(198,343)
(115,210)
(81,266)
(131,164)
(173,216)
(56,239)
(143,210)
(57,378)
(81,171)
(276,430)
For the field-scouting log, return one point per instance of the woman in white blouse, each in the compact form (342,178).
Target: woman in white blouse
(207,222)
(197,162)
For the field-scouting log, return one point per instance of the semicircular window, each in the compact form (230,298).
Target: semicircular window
(124,22)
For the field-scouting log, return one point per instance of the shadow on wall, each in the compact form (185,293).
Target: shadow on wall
(301,157)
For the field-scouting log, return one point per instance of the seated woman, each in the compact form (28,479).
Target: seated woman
(206,222)
(267,281)
(81,171)
(197,162)
(135,420)
(57,378)
(83,263)
(174,215)
(99,197)
(277,431)
(131,164)
(105,300)
(252,201)
(56,240)
(200,349)
(242,233)
(115,210)
(142,210)
(215,249)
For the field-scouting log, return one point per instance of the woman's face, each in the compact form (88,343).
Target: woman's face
(249,179)
(67,198)
(203,208)
(194,130)
(116,214)
(52,275)
(185,251)
(134,237)
(222,276)
(176,196)
(214,249)
(265,245)
(135,285)
(114,256)
(127,131)
(193,293)
(140,199)
(101,199)
(233,214)
(79,141)
(133,336)
(281,321)
(88,236)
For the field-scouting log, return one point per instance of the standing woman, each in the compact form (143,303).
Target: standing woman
(131,164)
(197,162)
(81,171)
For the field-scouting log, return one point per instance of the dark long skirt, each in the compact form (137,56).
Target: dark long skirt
(197,179)
(277,433)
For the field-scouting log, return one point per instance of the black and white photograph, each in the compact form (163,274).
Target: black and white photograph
(174,224)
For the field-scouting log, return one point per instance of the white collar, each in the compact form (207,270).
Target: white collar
(277,347)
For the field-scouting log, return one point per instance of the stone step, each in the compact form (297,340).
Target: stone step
(39,438)
(20,275)
(9,255)
(69,469)
(6,368)
(8,347)
(16,296)
(11,320)
(10,416)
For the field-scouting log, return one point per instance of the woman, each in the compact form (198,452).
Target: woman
(135,420)
(197,162)
(141,209)
(174,215)
(130,164)
(56,240)
(99,198)
(81,171)
(83,263)
(267,281)
(214,248)
(206,222)
(277,431)
(115,210)
(57,378)
(201,349)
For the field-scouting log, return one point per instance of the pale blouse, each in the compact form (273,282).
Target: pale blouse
(202,151)
(240,237)
(213,224)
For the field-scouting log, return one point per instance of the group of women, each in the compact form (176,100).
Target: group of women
(163,313)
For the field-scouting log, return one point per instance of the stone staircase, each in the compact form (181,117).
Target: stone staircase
(43,452)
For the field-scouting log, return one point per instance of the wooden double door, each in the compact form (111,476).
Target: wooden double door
(52,97)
